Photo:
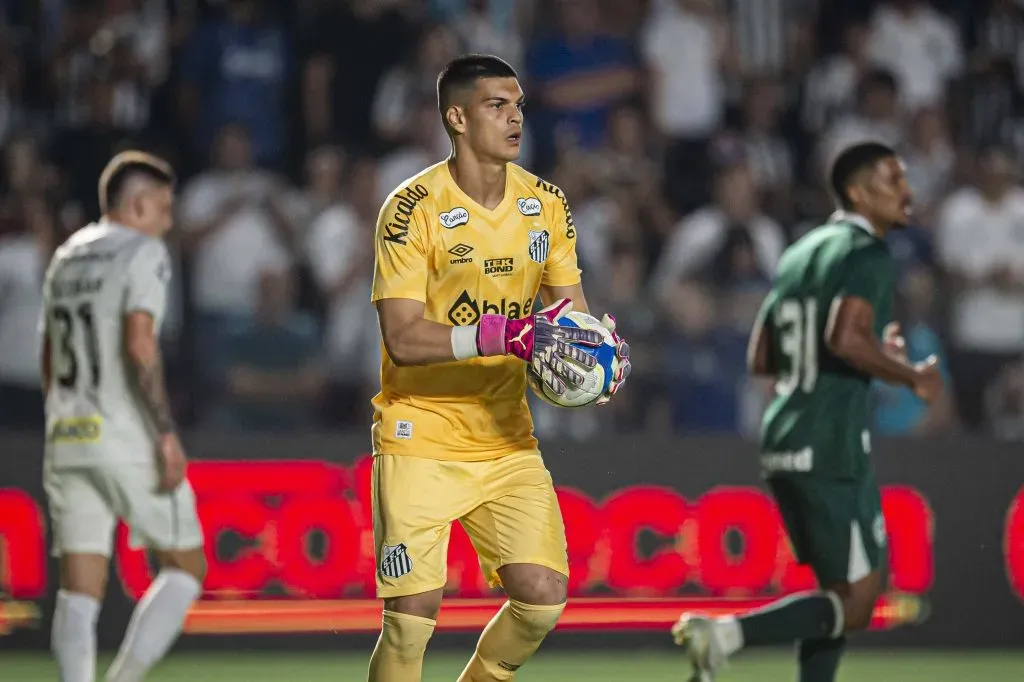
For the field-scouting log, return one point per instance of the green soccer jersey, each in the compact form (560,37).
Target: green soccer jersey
(818,421)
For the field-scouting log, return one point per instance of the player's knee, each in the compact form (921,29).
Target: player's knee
(532,584)
(192,561)
(84,574)
(405,637)
(536,620)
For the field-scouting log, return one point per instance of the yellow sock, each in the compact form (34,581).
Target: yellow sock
(509,640)
(398,656)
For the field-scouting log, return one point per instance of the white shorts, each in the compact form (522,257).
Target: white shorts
(86,502)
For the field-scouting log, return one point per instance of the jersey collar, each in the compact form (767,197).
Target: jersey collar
(855,219)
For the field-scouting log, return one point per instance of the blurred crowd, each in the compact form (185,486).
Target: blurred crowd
(690,136)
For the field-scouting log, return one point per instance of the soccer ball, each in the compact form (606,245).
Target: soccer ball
(598,380)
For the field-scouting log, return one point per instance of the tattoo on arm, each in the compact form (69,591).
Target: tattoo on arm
(149,381)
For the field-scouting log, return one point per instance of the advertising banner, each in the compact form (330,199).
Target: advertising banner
(654,526)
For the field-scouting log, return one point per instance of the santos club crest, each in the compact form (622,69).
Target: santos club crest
(540,244)
(394,561)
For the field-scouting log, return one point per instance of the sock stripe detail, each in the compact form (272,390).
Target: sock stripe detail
(397,615)
(837,607)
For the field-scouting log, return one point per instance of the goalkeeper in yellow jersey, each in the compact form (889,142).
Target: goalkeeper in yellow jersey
(462,252)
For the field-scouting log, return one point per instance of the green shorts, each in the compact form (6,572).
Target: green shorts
(835,525)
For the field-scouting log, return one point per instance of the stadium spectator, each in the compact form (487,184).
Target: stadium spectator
(981,246)
(230,236)
(82,152)
(235,69)
(993,105)
(876,117)
(273,376)
(26,242)
(830,90)
(931,161)
(731,244)
(705,364)
(577,75)
(352,45)
(406,85)
(487,26)
(687,49)
(920,45)
(769,153)
(339,249)
(426,144)
(1004,404)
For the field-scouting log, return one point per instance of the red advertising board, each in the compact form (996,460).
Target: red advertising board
(290,547)
(272,579)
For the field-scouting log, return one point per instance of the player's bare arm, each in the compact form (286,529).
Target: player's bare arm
(851,338)
(759,352)
(410,338)
(146,369)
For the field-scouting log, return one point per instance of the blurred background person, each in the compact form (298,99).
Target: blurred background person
(981,245)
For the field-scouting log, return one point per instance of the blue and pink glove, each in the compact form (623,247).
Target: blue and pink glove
(622,364)
(542,343)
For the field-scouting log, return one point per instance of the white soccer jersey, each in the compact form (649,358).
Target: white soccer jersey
(100,274)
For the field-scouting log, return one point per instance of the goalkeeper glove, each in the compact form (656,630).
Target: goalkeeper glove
(622,364)
(541,343)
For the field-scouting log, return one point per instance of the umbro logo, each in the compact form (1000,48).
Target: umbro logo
(460,251)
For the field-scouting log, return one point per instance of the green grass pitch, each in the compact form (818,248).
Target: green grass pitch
(605,666)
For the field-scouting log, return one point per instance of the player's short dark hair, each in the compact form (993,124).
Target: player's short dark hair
(464,71)
(851,162)
(126,166)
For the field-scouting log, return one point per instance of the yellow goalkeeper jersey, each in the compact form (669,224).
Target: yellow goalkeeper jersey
(436,245)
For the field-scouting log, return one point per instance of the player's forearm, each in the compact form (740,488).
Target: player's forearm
(146,369)
(867,355)
(423,342)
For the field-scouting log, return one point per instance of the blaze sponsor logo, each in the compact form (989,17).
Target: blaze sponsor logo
(467,310)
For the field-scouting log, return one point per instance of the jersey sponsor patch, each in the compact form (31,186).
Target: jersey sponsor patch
(540,244)
(461,253)
(403,429)
(454,217)
(528,205)
(77,430)
(499,267)
(394,561)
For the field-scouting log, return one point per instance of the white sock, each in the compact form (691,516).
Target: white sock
(155,625)
(74,636)
(728,634)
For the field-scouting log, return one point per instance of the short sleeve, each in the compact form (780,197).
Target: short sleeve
(561,269)
(400,248)
(149,273)
(868,274)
